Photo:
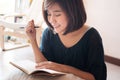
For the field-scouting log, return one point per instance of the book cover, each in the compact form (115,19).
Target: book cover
(28,67)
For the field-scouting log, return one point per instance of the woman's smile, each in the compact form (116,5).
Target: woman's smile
(56,27)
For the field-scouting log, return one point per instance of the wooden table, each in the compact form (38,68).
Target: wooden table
(19,75)
(12,73)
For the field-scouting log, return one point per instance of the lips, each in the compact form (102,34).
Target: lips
(56,27)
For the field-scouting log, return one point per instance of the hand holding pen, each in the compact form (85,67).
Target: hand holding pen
(22,27)
(30,30)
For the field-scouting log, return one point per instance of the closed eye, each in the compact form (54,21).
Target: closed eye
(57,15)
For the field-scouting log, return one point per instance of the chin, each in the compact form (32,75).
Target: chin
(59,31)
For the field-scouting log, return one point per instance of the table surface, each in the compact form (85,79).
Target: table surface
(12,73)
(16,74)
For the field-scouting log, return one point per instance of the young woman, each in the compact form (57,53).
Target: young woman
(68,45)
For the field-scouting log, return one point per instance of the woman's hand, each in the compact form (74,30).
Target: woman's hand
(51,65)
(30,30)
(65,69)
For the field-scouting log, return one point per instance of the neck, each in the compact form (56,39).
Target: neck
(75,33)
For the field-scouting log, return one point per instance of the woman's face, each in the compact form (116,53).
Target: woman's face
(57,18)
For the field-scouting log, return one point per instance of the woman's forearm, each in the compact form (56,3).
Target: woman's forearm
(80,73)
(37,53)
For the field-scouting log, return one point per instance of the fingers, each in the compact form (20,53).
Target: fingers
(50,65)
(31,23)
(45,64)
(30,26)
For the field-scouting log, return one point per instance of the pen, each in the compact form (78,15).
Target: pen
(24,27)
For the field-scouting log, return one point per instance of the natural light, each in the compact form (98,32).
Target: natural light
(12,6)
(7,6)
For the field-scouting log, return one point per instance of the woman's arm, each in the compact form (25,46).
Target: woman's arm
(66,69)
(80,73)
(37,53)
(31,32)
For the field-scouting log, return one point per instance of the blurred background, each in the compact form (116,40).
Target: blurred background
(104,15)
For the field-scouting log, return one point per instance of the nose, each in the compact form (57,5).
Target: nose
(52,19)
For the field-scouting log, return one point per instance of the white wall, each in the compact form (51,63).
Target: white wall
(104,15)
(7,6)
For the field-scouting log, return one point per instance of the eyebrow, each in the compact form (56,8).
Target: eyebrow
(56,11)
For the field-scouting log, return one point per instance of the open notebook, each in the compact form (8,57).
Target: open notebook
(28,67)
